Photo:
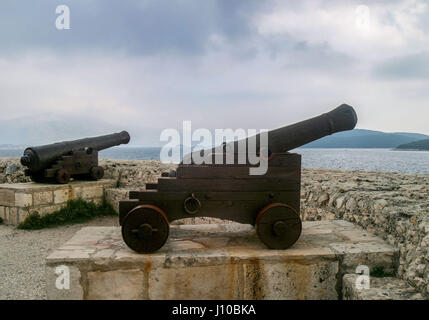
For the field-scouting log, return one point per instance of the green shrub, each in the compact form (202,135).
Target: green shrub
(76,211)
(378,272)
(1,220)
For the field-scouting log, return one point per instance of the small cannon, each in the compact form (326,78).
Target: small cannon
(270,202)
(60,161)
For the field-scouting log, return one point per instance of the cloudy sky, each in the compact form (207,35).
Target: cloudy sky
(148,65)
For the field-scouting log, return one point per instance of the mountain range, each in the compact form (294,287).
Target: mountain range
(417,145)
(46,128)
(360,138)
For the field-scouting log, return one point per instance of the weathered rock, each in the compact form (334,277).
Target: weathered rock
(11,168)
(392,205)
(11,171)
(130,174)
(387,288)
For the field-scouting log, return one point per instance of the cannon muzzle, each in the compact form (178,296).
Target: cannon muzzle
(38,158)
(284,139)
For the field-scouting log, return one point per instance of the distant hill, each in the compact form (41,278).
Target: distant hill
(9,146)
(48,128)
(360,138)
(416,145)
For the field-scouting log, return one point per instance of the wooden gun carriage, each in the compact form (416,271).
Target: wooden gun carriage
(60,161)
(270,202)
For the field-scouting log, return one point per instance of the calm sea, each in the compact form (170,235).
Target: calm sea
(346,159)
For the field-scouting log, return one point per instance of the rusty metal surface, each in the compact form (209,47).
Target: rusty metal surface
(78,159)
(270,202)
(287,138)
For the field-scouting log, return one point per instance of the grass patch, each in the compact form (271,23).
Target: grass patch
(76,211)
(378,272)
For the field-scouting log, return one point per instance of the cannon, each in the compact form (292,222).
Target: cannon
(60,161)
(269,202)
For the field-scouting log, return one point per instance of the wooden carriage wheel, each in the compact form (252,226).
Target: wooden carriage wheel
(62,176)
(145,228)
(278,226)
(96,173)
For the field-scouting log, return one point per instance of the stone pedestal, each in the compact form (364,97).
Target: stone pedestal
(213,262)
(18,200)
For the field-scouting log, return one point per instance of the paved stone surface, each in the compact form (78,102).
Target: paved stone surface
(222,261)
(388,288)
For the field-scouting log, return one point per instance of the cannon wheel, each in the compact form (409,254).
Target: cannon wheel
(145,229)
(96,173)
(278,226)
(62,176)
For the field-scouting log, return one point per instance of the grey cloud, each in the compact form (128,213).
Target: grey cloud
(168,27)
(303,55)
(176,27)
(150,64)
(139,27)
(415,66)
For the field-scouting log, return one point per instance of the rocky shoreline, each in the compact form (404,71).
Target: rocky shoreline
(392,205)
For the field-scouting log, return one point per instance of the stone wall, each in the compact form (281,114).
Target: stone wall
(11,171)
(391,205)
(128,174)
(134,174)
(19,200)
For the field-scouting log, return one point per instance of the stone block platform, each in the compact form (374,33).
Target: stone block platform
(214,262)
(18,200)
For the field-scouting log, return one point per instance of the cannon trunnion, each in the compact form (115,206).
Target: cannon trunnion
(270,202)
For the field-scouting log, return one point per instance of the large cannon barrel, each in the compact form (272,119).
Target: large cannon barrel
(293,136)
(37,158)
(284,139)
